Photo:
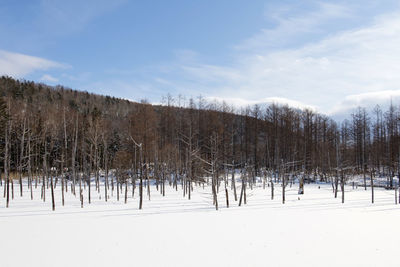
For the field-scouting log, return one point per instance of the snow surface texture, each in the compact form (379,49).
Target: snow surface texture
(317,230)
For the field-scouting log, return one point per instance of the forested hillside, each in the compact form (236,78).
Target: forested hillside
(58,132)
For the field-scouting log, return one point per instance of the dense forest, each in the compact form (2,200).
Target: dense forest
(55,135)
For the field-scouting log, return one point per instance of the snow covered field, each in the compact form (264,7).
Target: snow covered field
(316,230)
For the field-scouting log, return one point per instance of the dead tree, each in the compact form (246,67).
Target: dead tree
(243,190)
(342,183)
(6,162)
(140,146)
(372,186)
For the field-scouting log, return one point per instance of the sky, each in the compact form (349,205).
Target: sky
(329,56)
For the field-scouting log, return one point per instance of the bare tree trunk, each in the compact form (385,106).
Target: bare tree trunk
(301,185)
(44,175)
(141,177)
(283,189)
(106,169)
(214,190)
(233,181)
(22,156)
(112,185)
(336,185)
(126,191)
(372,187)
(64,160)
(53,204)
(73,157)
(148,180)
(163,182)
(86,171)
(227,197)
(89,182)
(117,179)
(62,188)
(242,191)
(80,190)
(365,182)
(342,185)
(6,160)
(62,179)
(12,188)
(272,189)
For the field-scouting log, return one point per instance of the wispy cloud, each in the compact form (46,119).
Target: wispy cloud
(19,65)
(48,78)
(132,90)
(325,74)
(60,17)
(293,26)
(370,100)
(241,103)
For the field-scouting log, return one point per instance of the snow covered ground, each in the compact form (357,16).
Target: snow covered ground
(317,230)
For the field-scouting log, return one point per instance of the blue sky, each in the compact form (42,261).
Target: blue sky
(327,55)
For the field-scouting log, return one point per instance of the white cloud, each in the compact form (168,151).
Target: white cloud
(289,102)
(49,78)
(383,98)
(133,91)
(240,102)
(18,65)
(320,74)
(292,28)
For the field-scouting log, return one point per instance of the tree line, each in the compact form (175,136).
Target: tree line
(56,135)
